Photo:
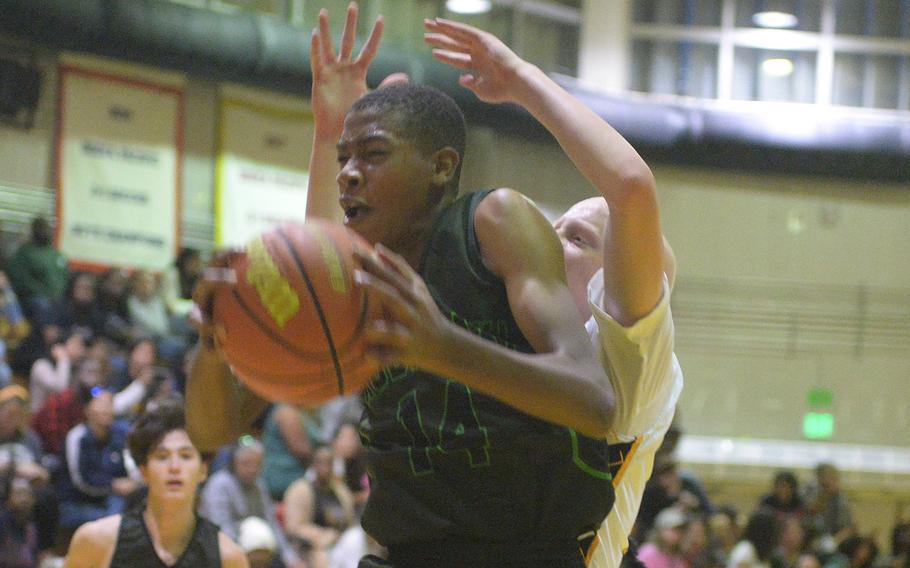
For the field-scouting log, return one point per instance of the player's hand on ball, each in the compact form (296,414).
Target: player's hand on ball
(412,327)
(218,273)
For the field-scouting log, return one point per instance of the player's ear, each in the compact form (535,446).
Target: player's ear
(445,163)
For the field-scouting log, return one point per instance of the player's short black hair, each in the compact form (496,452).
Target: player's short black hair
(152,426)
(424,115)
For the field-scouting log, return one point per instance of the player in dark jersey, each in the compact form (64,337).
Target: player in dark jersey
(166,532)
(485,430)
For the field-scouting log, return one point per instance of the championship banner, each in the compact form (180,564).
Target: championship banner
(120,148)
(262,169)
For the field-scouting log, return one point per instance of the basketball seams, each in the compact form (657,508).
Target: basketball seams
(327,333)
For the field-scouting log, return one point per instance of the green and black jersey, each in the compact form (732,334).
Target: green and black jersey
(448,462)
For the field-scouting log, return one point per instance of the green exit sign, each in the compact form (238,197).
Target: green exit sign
(818,425)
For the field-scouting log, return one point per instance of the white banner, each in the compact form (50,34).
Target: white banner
(120,147)
(262,170)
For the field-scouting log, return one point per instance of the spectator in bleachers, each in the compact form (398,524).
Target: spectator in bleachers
(790,543)
(664,547)
(320,513)
(809,560)
(828,513)
(784,498)
(668,487)
(237,492)
(724,534)
(179,280)
(20,446)
(36,345)
(52,372)
(900,543)
(97,483)
(758,542)
(854,552)
(695,546)
(13,327)
(149,314)
(79,311)
(18,532)
(38,272)
(288,448)
(351,462)
(21,456)
(111,301)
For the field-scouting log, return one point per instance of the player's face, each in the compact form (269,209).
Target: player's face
(174,468)
(581,231)
(385,182)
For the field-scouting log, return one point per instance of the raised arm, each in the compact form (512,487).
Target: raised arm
(633,245)
(562,382)
(338,81)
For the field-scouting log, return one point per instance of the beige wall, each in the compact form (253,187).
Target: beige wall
(785,284)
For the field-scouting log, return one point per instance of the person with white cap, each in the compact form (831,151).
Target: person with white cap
(663,550)
(258,541)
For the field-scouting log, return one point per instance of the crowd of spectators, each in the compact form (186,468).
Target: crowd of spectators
(82,353)
(791,526)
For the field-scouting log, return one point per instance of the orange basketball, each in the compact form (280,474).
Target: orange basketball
(294,320)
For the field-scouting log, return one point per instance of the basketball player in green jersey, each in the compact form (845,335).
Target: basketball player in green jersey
(166,531)
(620,272)
(483,430)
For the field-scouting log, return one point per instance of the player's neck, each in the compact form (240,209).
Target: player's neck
(171,525)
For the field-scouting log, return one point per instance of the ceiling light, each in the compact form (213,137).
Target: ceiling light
(775,20)
(468,6)
(777,67)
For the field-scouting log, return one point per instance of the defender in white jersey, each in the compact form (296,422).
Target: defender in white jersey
(620,271)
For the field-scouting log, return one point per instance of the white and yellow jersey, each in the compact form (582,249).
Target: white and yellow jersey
(647,380)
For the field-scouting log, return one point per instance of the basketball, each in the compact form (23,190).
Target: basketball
(294,321)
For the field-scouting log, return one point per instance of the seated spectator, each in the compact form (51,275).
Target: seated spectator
(784,498)
(79,311)
(51,374)
(20,447)
(829,517)
(110,298)
(669,487)
(97,483)
(664,548)
(288,448)
(900,543)
(725,533)
(21,456)
(13,327)
(695,544)
(320,514)
(148,313)
(238,492)
(38,273)
(134,382)
(18,532)
(758,542)
(35,346)
(854,552)
(351,462)
(178,283)
(790,544)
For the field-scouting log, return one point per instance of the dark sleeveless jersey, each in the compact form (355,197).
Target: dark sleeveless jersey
(135,548)
(447,462)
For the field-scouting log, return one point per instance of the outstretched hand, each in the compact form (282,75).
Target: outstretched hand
(412,329)
(490,66)
(340,79)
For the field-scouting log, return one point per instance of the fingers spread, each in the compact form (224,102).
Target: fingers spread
(350,32)
(443,41)
(325,37)
(453,58)
(389,297)
(369,49)
(456,30)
